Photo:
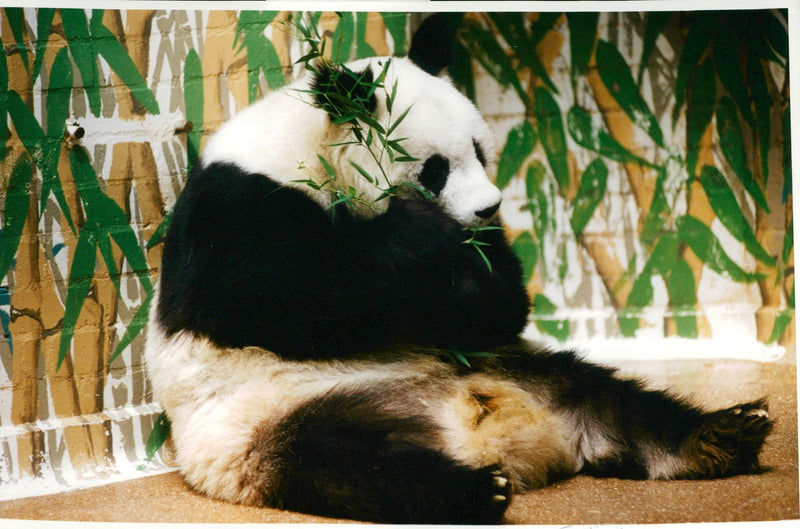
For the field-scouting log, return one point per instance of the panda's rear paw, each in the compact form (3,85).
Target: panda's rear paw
(729,441)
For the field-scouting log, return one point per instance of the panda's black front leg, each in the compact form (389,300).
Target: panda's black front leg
(625,430)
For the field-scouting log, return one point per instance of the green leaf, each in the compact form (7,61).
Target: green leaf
(326,166)
(616,76)
(732,146)
(782,320)
(681,289)
(81,46)
(158,436)
(658,213)
(44,20)
(17,202)
(483,46)
(787,153)
(551,133)
(396,24)
(363,49)
(343,38)
(519,145)
(591,190)
(512,29)
(104,245)
(120,61)
(134,327)
(543,311)
(79,282)
(582,38)
(160,232)
(656,20)
(701,29)
(44,151)
(3,105)
(106,218)
(776,34)
(193,98)
(527,252)
(585,134)
(363,172)
(59,91)
(762,102)
(699,112)
(726,62)
(708,249)
(16,22)
(728,211)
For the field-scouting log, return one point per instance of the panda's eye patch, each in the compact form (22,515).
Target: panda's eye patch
(479,153)
(434,173)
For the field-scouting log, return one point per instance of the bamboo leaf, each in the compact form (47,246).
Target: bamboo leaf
(107,217)
(193,98)
(700,239)
(396,25)
(483,46)
(343,38)
(656,20)
(158,436)
(657,214)
(782,321)
(519,145)
(787,153)
(582,38)
(363,49)
(525,249)
(120,61)
(512,29)
(104,244)
(591,190)
(17,202)
(616,76)
(701,29)
(699,112)
(551,133)
(160,232)
(78,284)
(762,101)
(681,289)
(543,311)
(726,62)
(326,166)
(16,22)
(44,152)
(44,20)
(59,91)
(3,105)
(81,46)
(594,138)
(732,146)
(776,34)
(134,327)
(728,211)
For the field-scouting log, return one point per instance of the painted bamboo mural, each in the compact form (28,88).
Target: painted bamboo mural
(645,169)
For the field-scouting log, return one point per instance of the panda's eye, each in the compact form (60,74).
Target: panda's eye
(479,153)
(434,173)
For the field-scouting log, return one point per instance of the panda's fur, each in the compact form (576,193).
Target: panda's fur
(301,350)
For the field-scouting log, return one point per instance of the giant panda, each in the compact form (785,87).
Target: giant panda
(301,348)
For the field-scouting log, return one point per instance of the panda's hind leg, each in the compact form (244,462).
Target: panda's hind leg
(345,455)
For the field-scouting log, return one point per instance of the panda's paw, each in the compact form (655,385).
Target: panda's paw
(493,495)
(729,441)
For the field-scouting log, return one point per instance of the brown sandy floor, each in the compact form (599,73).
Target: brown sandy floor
(772,495)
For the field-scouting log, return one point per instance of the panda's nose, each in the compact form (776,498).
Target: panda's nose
(487,213)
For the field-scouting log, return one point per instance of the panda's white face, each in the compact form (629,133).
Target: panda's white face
(447,135)
(284,134)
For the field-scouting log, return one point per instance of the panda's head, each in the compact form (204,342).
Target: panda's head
(452,145)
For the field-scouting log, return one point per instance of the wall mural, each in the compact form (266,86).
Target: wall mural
(644,160)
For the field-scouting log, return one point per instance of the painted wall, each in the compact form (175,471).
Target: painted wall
(642,158)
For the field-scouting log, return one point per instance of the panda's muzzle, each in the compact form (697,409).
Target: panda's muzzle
(487,213)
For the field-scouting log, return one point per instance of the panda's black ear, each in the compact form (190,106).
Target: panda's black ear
(342,92)
(434,43)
